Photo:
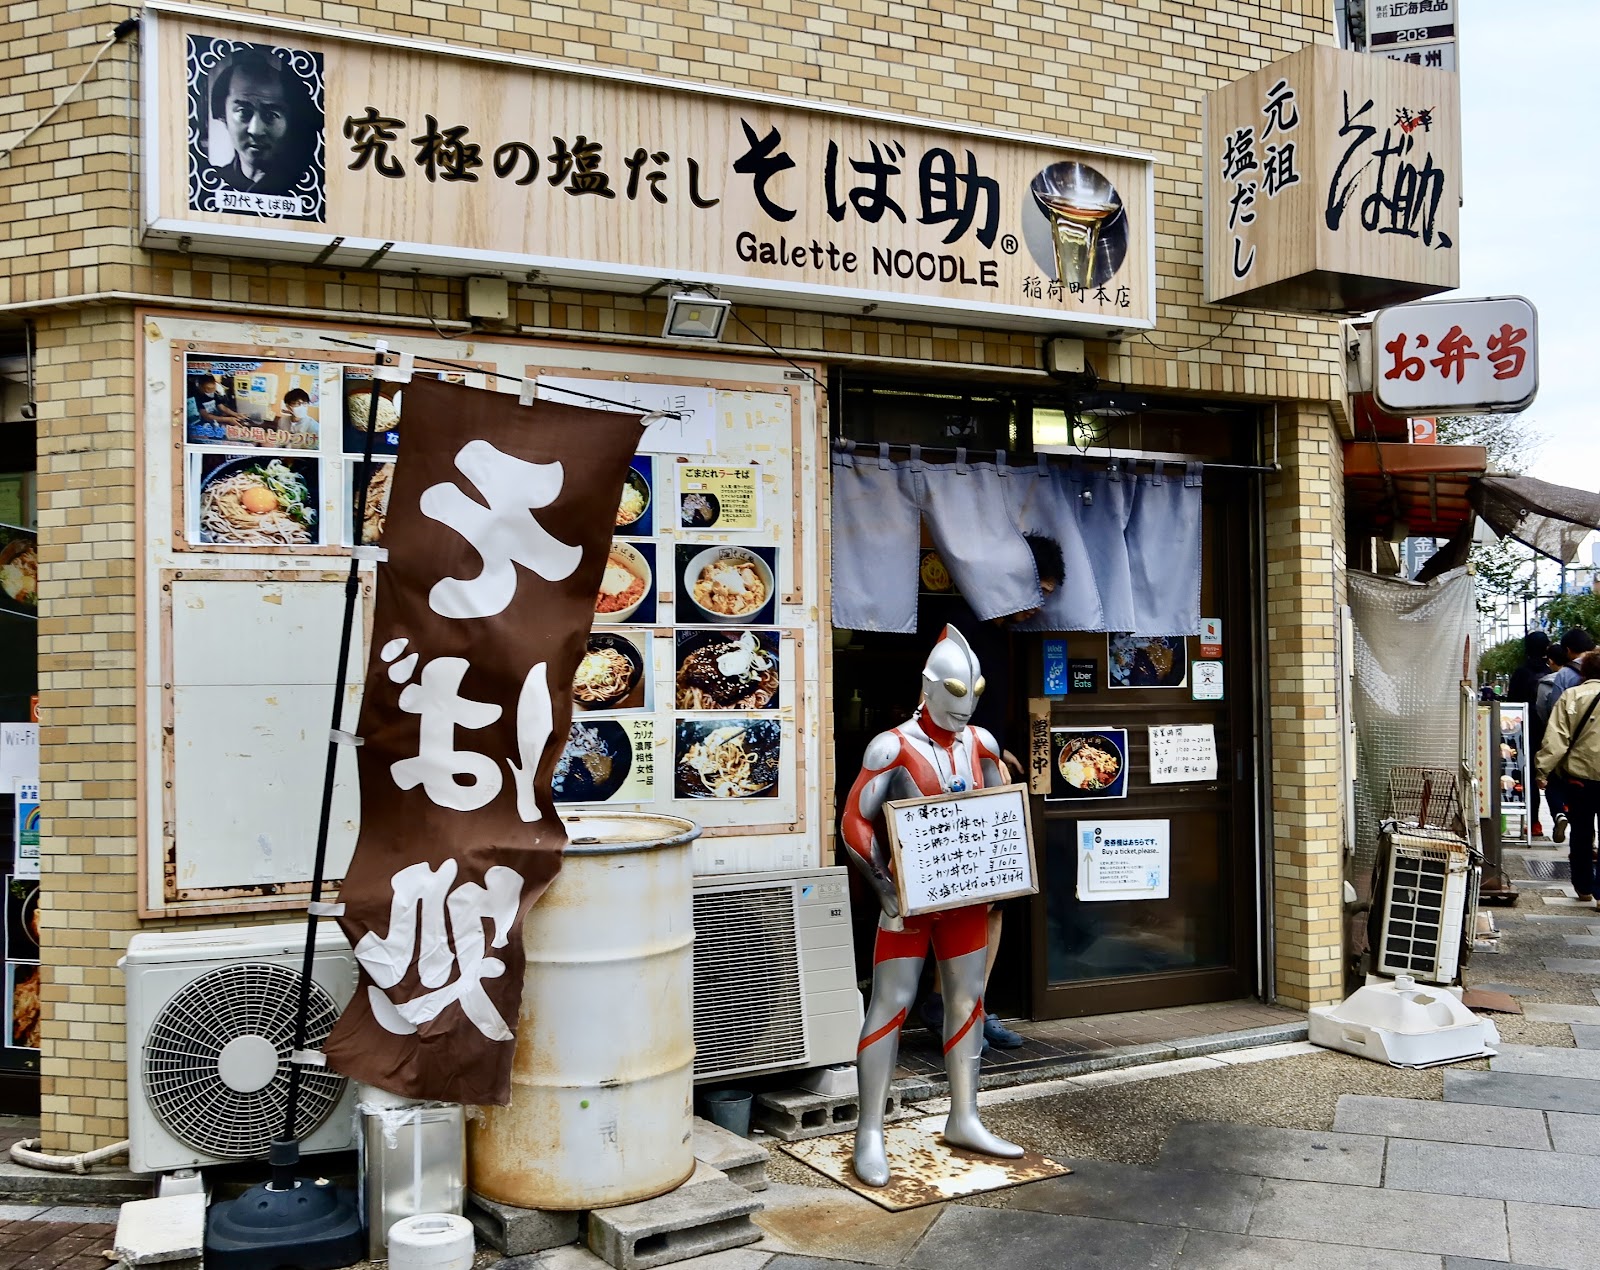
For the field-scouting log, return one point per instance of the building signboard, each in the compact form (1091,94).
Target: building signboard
(1395,24)
(1333,184)
(472,161)
(1456,356)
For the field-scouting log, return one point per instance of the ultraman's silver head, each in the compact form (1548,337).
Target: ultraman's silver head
(951,682)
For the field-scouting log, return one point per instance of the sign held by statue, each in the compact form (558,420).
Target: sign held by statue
(974,847)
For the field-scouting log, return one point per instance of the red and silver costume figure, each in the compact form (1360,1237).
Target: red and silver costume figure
(934,752)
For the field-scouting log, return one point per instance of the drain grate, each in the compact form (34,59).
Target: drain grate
(1548,870)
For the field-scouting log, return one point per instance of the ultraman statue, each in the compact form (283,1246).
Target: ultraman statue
(934,752)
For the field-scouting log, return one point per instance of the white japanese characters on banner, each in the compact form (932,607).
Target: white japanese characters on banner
(499,524)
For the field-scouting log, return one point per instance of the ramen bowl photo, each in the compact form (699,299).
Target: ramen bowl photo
(624,585)
(727,584)
(611,667)
(635,500)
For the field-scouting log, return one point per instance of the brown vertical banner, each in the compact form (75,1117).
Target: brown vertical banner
(500,519)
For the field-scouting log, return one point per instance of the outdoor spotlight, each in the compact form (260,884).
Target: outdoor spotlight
(695,315)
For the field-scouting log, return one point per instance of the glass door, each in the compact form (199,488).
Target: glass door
(1098,956)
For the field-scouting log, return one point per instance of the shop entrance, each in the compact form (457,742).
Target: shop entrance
(1062,954)
(1197,944)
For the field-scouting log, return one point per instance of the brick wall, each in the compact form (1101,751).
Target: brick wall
(1131,74)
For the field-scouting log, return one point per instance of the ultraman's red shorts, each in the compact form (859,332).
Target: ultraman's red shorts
(954,932)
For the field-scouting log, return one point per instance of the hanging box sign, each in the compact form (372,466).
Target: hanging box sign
(1333,184)
(471,161)
(1455,357)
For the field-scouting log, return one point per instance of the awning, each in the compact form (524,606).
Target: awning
(1552,519)
(1425,488)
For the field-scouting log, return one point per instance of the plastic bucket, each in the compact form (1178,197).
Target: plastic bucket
(729,1108)
(602,1080)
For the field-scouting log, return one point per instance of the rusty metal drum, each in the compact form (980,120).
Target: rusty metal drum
(602,1085)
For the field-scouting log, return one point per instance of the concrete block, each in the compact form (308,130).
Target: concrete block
(744,1162)
(160,1231)
(1406,1221)
(688,1222)
(1513,1089)
(794,1114)
(1586,1035)
(519,1231)
(1554,1012)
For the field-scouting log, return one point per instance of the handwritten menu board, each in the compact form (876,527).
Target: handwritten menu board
(1179,755)
(951,850)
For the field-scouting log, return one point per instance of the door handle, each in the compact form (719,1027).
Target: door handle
(1241,762)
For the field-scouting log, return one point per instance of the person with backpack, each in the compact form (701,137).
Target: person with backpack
(1563,658)
(1524,687)
(1571,753)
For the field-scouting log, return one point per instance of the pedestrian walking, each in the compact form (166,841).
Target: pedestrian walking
(1524,687)
(1571,753)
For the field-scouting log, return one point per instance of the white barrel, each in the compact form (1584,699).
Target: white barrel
(602,1083)
(431,1241)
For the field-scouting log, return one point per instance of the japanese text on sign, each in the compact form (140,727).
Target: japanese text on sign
(1461,354)
(1124,859)
(961,849)
(1267,172)
(728,496)
(1181,754)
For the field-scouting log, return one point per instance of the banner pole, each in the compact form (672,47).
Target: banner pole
(285,1153)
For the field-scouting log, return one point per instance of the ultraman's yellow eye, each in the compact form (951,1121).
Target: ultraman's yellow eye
(955,687)
(977,688)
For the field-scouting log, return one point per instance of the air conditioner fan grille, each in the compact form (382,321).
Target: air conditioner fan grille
(748,1007)
(182,1080)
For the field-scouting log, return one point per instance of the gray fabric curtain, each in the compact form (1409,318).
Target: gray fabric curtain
(1553,519)
(1130,543)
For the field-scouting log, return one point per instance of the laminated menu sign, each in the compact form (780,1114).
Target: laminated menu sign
(26,828)
(1182,754)
(719,497)
(1124,859)
(952,850)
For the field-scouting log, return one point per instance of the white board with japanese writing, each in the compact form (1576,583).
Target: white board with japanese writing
(1181,754)
(951,850)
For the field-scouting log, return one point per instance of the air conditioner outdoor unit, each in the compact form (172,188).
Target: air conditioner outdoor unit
(774,973)
(210,1026)
(1429,890)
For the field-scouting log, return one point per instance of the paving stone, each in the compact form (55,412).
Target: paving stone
(1561,919)
(1577,1135)
(519,1231)
(1286,1153)
(1131,1193)
(1207,1250)
(152,1231)
(19,1212)
(1535,1177)
(1586,1035)
(1547,1060)
(1442,1121)
(688,1222)
(1546,1235)
(1465,1263)
(1583,941)
(740,1159)
(969,1238)
(1404,1220)
(1552,1012)
(1573,965)
(794,1261)
(1513,1089)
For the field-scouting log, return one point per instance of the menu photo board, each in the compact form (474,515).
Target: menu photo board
(971,847)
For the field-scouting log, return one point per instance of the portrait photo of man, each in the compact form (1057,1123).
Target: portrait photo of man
(256,130)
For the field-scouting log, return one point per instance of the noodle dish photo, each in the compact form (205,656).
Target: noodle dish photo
(258,500)
(1147,661)
(736,670)
(635,501)
(595,763)
(727,760)
(19,569)
(627,585)
(377,506)
(611,674)
(1088,763)
(726,584)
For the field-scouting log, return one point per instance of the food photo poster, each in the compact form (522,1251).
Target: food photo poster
(726,584)
(1088,763)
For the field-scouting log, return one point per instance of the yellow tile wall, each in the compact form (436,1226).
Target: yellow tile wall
(1131,74)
